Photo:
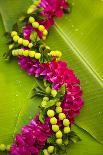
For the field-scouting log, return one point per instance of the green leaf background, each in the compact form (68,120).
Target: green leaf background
(79,36)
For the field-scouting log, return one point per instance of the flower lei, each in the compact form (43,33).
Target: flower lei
(50,130)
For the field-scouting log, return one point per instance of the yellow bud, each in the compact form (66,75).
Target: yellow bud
(58,104)
(66,130)
(45,151)
(53,53)
(26,53)
(45,32)
(16,52)
(41,28)
(35,24)
(20,41)
(31,9)
(25,42)
(13,52)
(20,52)
(37,2)
(32,6)
(8,147)
(11,46)
(2,147)
(15,38)
(30,45)
(59,141)
(37,55)
(13,33)
(58,53)
(32,54)
(44,37)
(31,20)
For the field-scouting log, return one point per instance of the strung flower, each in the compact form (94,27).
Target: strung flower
(51,9)
(58,115)
(58,74)
(32,138)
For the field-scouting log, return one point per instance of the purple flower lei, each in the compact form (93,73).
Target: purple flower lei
(40,61)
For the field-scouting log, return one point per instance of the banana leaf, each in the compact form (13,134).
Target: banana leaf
(79,36)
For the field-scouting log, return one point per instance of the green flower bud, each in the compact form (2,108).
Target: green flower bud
(44,37)
(13,33)
(31,20)
(20,52)
(50,113)
(29,11)
(13,52)
(2,147)
(26,53)
(48,90)
(45,151)
(8,147)
(47,47)
(32,54)
(59,141)
(58,109)
(50,149)
(45,32)
(20,41)
(53,92)
(58,104)
(59,134)
(37,2)
(32,6)
(53,53)
(59,54)
(66,130)
(11,46)
(41,28)
(35,24)
(43,104)
(30,45)
(15,38)
(25,42)
(66,122)
(37,55)
(62,116)
(53,121)
(46,98)
(55,128)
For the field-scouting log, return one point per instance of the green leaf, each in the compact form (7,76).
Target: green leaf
(79,36)
(39,83)
(74,137)
(41,117)
(51,139)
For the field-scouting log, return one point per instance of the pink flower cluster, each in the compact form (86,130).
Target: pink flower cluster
(58,74)
(32,138)
(51,9)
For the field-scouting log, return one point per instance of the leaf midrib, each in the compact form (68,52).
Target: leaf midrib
(73,47)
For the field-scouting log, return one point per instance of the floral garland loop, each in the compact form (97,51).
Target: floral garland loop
(50,130)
